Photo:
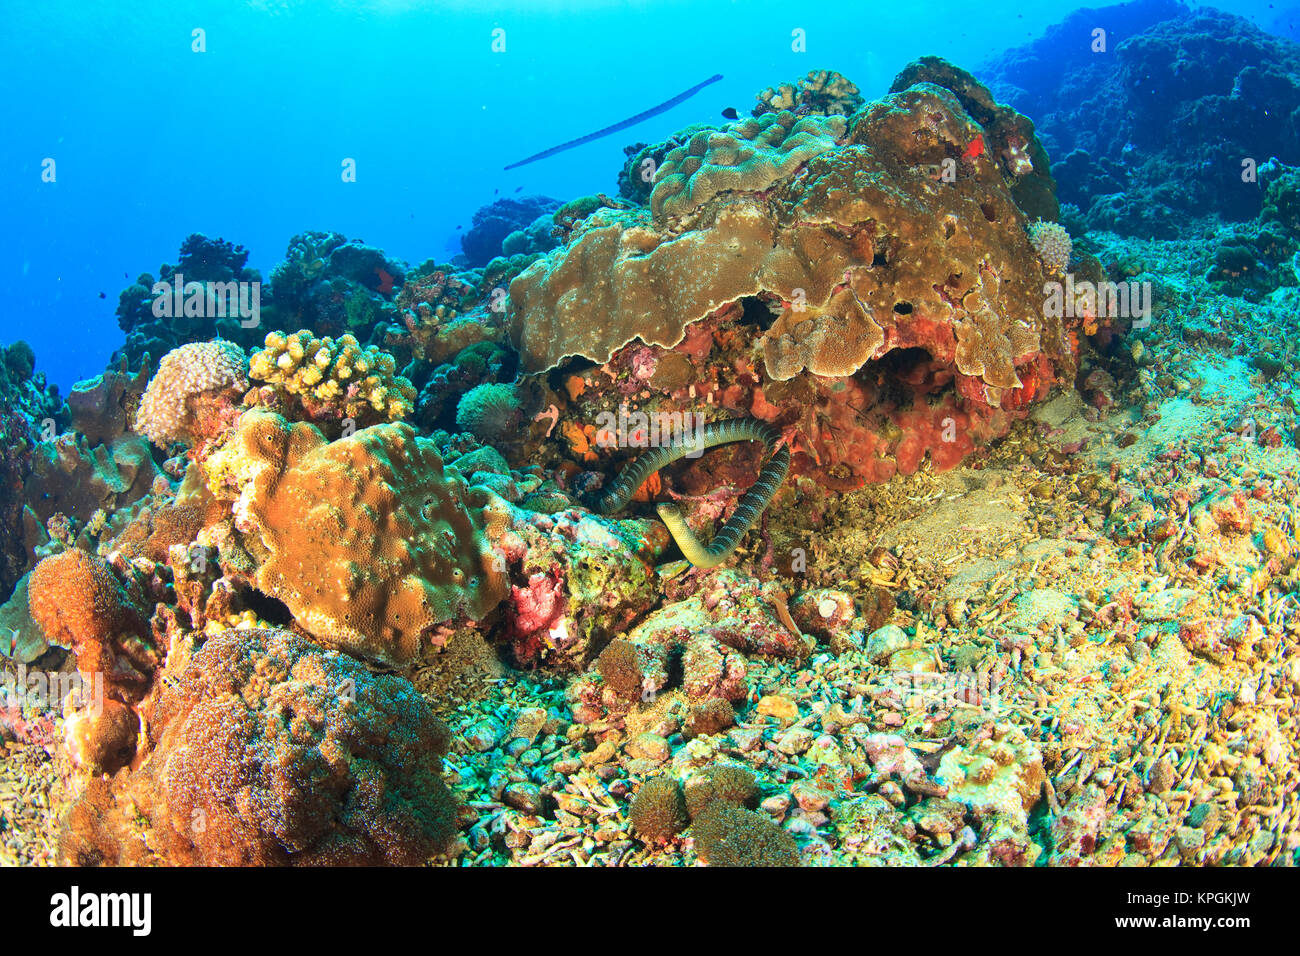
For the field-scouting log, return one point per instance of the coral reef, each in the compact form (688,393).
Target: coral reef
(820,93)
(1128,126)
(270,751)
(333,286)
(494,223)
(727,835)
(30,412)
(324,381)
(192,395)
(1013,587)
(399,540)
(944,283)
(201,260)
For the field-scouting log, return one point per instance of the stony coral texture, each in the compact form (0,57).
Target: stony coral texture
(369,540)
(79,602)
(193,383)
(334,380)
(844,232)
(1052,243)
(272,751)
(821,93)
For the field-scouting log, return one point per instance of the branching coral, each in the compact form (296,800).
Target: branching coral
(334,380)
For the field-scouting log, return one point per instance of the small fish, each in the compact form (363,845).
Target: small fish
(460,227)
(103,296)
(730,113)
(519,189)
(976,148)
(495,191)
(803,110)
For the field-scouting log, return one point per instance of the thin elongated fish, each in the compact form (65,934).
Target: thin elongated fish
(622,124)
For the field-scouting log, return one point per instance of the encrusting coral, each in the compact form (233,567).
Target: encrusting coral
(369,540)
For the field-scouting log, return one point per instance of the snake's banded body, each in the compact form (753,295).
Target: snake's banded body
(751,504)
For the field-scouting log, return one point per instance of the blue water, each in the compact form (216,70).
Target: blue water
(152,141)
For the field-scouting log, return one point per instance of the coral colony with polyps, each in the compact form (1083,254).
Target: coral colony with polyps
(896,474)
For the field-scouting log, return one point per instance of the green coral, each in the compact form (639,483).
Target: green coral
(490,411)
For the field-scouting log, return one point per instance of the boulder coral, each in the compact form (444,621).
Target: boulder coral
(891,260)
(191,395)
(272,751)
(79,602)
(820,93)
(748,156)
(369,541)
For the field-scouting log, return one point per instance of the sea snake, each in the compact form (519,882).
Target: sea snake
(624,124)
(751,504)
